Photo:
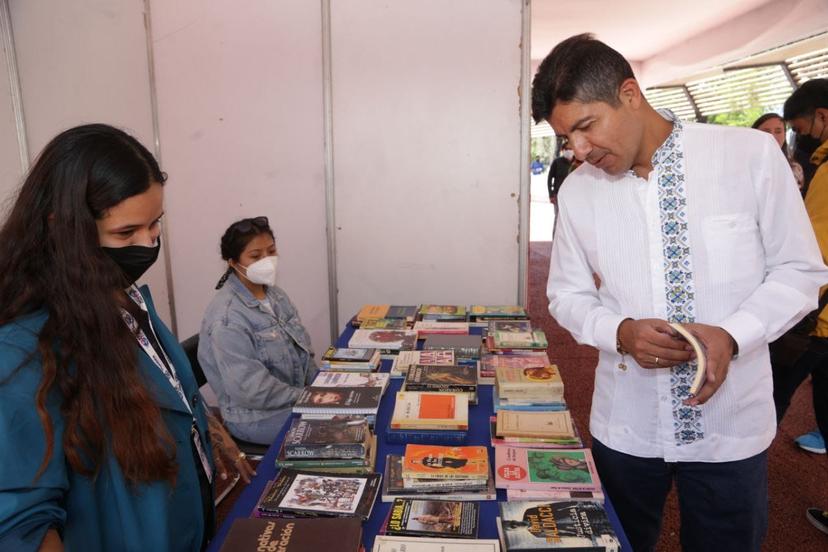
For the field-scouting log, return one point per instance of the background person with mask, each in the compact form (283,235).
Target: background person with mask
(253,347)
(104,436)
(558,171)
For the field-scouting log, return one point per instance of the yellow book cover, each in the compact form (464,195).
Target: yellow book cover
(372,312)
(519,381)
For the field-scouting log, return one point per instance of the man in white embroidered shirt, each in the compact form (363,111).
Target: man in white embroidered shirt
(681,222)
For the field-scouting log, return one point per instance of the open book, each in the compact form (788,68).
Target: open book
(701,356)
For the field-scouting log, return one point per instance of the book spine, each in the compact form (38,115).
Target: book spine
(441,387)
(426,438)
(326,451)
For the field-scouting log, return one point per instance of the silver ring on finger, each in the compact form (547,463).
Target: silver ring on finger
(657,361)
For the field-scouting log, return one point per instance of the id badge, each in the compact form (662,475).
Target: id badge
(205,463)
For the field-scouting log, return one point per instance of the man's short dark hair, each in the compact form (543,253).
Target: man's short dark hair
(812,95)
(579,68)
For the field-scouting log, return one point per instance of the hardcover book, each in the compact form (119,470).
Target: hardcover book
(338,400)
(406,359)
(389,543)
(393,340)
(315,494)
(327,439)
(433,518)
(293,535)
(546,469)
(552,526)
(439,462)
(416,410)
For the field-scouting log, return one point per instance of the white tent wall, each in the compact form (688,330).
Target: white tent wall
(80,62)
(12,152)
(427,160)
(241,123)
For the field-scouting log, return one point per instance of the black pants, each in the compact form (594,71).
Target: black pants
(786,380)
(723,505)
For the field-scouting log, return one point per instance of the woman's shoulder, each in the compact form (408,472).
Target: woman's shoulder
(226,308)
(18,347)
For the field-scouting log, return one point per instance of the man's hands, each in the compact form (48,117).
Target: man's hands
(654,344)
(720,347)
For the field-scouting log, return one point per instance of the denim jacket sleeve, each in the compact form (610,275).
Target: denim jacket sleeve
(244,377)
(29,507)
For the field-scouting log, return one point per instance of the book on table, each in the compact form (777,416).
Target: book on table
(384,340)
(515,334)
(432,518)
(556,526)
(403,312)
(391,543)
(517,495)
(395,486)
(526,359)
(441,462)
(443,379)
(464,346)
(371,312)
(545,469)
(531,384)
(442,312)
(573,442)
(405,359)
(384,324)
(327,438)
(431,327)
(430,411)
(351,379)
(338,400)
(541,425)
(496,312)
(350,359)
(293,535)
(361,466)
(312,494)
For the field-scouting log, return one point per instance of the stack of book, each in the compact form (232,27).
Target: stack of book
(352,379)
(388,342)
(534,388)
(421,417)
(443,313)
(293,535)
(442,379)
(405,359)
(506,336)
(525,359)
(556,525)
(350,360)
(479,315)
(394,486)
(328,402)
(309,494)
(432,518)
(544,429)
(343,445)
(547,474)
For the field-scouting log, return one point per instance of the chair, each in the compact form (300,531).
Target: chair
(254,451)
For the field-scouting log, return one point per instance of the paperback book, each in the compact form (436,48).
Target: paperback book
(405,359)
(433,518)
(402,312)
(496,312)
(372,312)
(338,400)
(432,411)
(556,526)
(542,425)
(574,442)
(351,379)
(384,324)
(545,469)
(465,346)
(384,340)
(440,462)
(390,543)
(318,494)
(442,312)
(394,486)
(429,327)
(459,379)
(327,439)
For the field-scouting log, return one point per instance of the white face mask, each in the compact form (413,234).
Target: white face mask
(262,271)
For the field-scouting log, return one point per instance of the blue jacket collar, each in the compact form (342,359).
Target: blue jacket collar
(236,285)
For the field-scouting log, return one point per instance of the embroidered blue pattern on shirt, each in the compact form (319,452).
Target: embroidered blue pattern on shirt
(668,161)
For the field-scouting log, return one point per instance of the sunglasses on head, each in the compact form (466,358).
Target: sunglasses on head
(246,225)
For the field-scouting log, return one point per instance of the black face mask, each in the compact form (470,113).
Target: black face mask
(134,260)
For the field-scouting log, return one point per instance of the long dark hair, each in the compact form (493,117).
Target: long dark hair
(767,117)
(236,238)
(53,261)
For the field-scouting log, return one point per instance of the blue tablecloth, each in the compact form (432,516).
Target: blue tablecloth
(478,435)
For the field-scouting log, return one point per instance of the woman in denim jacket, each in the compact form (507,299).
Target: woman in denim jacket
(253,347)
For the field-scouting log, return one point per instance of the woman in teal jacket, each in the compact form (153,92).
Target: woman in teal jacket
(104,441)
